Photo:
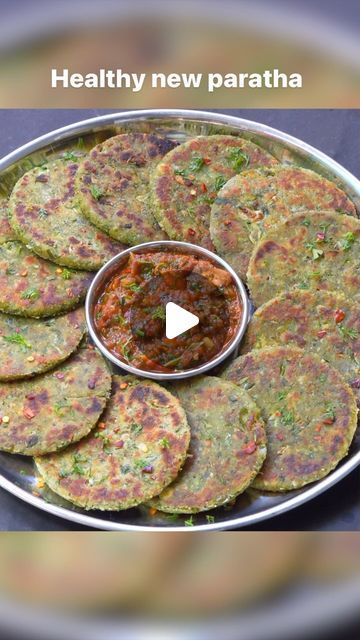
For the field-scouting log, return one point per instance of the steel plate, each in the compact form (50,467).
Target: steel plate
(17,474)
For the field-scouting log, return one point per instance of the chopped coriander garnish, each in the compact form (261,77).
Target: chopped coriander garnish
(330,411)
(219,182)
(147,268)
(59,406)
(159,313)
(96,192)
(31,294)
(189,522)
(288,418)
(78,460)
(141,464)
(303,285)
(140,333)
(196,163)
(66,274)
(164,443)
(172,516)
(195,286)
(125,350)
(210,519)
(239,159)
(64,474)
(348,240)
(78,469)
(136,428)
(134,287)
(70,156)
(347,332)
(315,251)
(17,338)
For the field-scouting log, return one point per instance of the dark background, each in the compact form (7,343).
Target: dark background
(336,132)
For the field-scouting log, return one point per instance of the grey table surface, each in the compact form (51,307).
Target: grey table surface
(333,131)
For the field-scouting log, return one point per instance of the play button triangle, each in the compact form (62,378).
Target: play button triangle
(178,320)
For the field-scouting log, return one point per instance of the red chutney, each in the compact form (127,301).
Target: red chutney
(130,312)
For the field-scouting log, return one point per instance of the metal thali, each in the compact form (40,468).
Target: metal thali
(17,474)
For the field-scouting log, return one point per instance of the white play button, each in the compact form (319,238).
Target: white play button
(178,320)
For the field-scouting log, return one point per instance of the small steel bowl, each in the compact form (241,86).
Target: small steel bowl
(110,268)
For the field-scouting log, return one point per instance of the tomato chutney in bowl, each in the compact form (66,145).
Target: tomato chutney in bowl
(128,310)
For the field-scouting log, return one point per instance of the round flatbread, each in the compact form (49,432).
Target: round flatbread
(227,449)
(186,181)
(323,322)
(258,199)
(312,250)
(55,409)
(6,232)
(33,287)
(113,183)
(138,449)
(44,215)
(29,346)
(309,411)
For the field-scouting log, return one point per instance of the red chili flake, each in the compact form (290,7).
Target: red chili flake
(250,448)
(203,187)
(321,333)
(119,444)
(280,437)
(60,375)
(207,160)
(328,421)
(355,384)
(28,413)
(320,237)
(148,469)
(339,315)
(0,420)
(191,232)
(30,396)
(227,223)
